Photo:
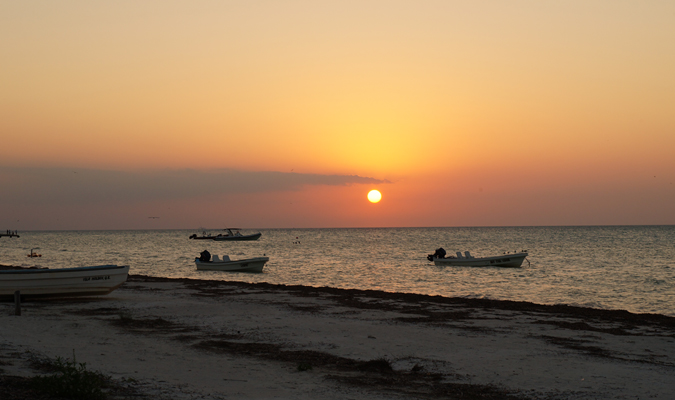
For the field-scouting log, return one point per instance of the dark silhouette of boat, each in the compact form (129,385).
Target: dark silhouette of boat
(231,234)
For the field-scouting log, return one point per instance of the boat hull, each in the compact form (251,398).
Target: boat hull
(254,236)
(506,261)
(248,265)
(64,282)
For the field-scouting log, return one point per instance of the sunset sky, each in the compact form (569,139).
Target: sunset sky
(285,114)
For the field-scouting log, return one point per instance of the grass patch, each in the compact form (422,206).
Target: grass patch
(71,380)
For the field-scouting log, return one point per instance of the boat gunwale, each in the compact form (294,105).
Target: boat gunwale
(225,263)
(30,271)
(513,259)
(253,236)
(484,258)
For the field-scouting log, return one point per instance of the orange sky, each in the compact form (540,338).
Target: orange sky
(461,113)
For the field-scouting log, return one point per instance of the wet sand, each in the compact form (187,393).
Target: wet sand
(196,339)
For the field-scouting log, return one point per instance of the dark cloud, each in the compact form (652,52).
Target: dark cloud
(86,186)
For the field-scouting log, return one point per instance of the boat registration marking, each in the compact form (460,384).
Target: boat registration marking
(96,278)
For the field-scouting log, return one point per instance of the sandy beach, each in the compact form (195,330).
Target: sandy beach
(192,339)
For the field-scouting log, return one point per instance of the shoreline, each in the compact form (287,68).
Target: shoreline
(180,338)
(512,305)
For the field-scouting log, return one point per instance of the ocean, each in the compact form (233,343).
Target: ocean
(608,267)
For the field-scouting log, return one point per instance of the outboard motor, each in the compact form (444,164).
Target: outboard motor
(205,256)
(439,253)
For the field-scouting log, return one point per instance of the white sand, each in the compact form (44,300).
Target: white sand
(524,351)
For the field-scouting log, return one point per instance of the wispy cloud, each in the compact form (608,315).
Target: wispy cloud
(85,186)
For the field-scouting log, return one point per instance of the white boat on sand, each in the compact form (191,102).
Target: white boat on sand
(62,282)
(255,264)
(512,260)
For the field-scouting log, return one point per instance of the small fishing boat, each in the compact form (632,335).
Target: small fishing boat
(33,253)
(511,260)
(238,237)
(231,234)
(255,264)
(63,282)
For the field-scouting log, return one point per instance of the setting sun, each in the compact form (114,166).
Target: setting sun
(374,196)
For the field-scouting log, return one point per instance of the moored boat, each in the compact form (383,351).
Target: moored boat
(237,236)
(255,264)
(63,282)
(233,235)
(33,253)
(510,260)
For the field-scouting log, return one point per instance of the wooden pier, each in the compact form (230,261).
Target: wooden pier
(9,234)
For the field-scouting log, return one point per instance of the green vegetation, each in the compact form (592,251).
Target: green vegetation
(71,380)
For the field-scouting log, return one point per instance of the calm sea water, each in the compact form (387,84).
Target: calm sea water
(626,267)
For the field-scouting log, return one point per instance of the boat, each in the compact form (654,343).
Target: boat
(511,260)
(63,282)
(231,234)
(255,264)
(33,253)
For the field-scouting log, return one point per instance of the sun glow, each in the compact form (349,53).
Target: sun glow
(374,196)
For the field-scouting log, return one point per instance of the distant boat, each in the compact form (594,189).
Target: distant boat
(63,282)
(513,260)
(33,253)
(236,236)
(231,234)
(255,264)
